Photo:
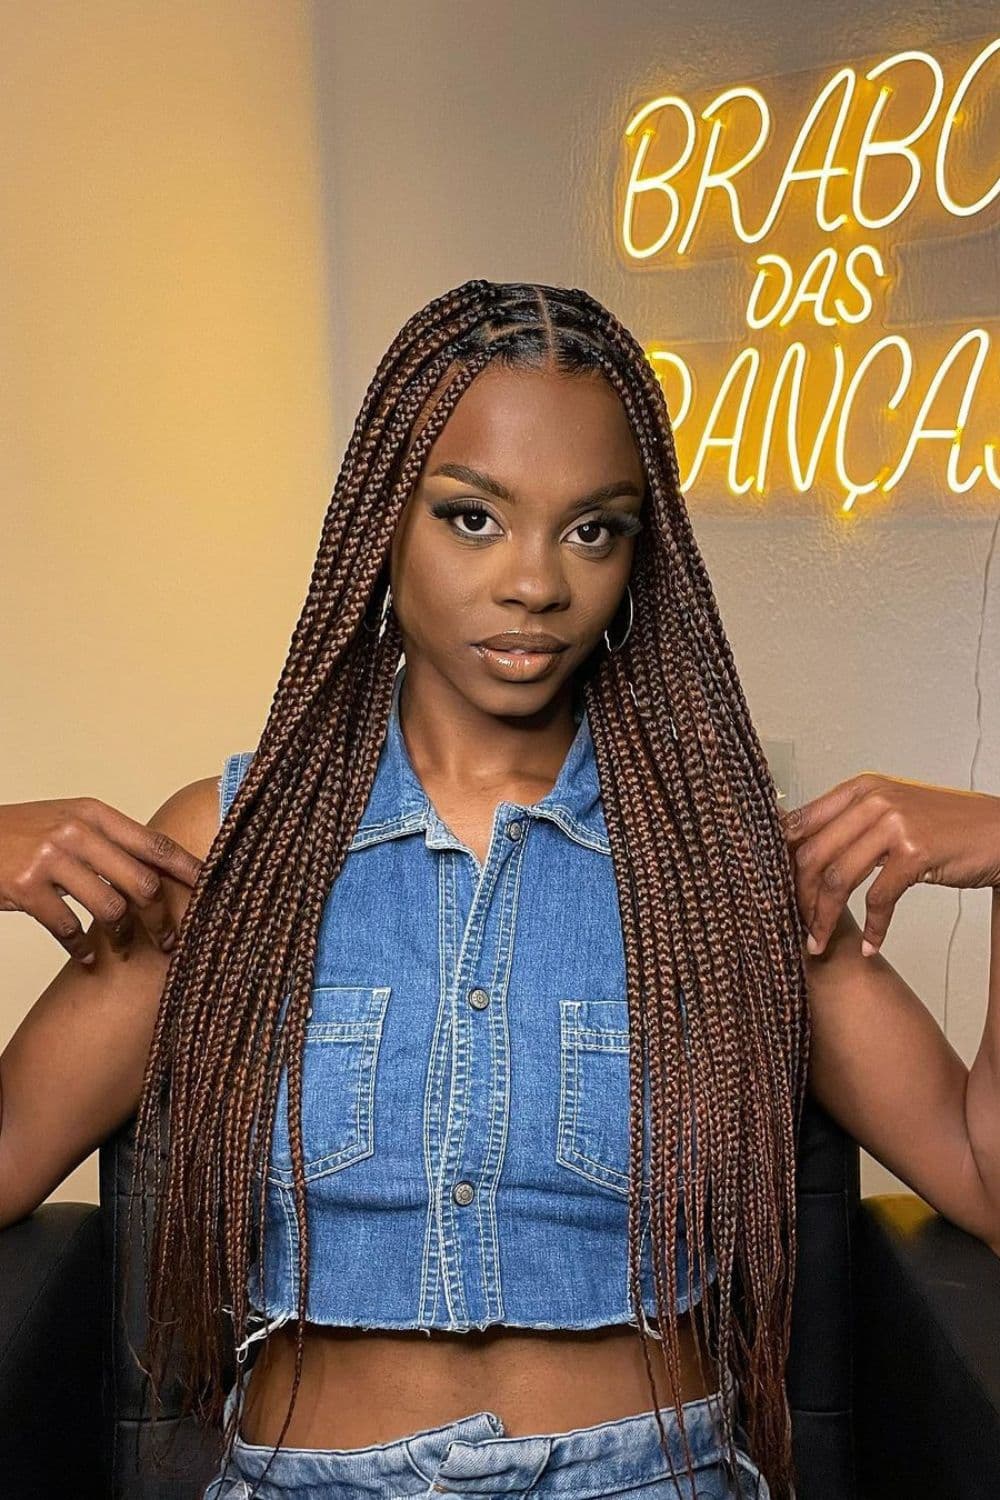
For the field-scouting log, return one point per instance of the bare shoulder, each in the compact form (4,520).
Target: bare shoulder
(190,816)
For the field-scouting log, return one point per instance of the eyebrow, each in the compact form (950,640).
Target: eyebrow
(481,481)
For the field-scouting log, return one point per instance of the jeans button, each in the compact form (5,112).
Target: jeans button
(514,829)
(479,999)
(463,1193)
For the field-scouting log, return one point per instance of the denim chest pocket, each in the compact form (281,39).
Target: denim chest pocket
(340,1055)
(594,1091)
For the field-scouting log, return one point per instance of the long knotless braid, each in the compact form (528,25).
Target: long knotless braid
(716,985)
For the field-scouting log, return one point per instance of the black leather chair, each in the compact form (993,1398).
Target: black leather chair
(893,1378)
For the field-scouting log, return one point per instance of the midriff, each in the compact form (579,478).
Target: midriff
(364,1386)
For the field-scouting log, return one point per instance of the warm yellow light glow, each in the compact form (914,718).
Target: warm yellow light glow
(920,433)
(745,379)
(853,256)
(846,79)
(842,86)
(827,262)
(951,116)
(709,178)
(668,357)
(755,320)
(782,404)
(902,145)
(751,359)
(662,181)
(853,487)
(813,288)
(802,479)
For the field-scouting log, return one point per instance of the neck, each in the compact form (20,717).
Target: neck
(450,738)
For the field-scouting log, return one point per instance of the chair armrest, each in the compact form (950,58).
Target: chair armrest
(927,1299)
(50,1351)
(820,1357)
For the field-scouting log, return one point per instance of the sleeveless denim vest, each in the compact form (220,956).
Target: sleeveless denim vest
(465,1080)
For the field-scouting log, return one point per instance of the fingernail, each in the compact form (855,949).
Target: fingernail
(168,942)
(88,958)
(868,948)
(812,944)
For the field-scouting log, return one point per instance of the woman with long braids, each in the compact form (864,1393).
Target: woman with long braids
(468,1098)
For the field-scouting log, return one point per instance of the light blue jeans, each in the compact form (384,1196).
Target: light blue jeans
(471,1456)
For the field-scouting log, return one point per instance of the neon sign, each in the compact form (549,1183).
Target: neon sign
(883,162)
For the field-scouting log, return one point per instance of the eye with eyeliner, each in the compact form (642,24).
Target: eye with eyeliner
(616,522)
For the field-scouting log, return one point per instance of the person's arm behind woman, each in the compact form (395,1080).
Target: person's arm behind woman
(71,1074)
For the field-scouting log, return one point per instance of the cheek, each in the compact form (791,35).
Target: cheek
(433,594)
(598,592)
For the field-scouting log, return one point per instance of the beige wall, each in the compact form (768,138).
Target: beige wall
(166,435)
(215,220)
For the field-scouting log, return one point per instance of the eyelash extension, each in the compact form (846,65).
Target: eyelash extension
(617,523)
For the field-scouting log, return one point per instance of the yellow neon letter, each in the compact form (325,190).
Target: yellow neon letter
(866,296)
(899,147)
(990,460)
(661,182)
(920,433)
(724,179)
(796,354)
(763,261)
(750,358)
(823,262)
(847,79)
(947,124)
(853,487)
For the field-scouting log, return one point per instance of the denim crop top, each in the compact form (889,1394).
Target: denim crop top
(465,1079)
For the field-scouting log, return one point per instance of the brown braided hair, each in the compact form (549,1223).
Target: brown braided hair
(705,884)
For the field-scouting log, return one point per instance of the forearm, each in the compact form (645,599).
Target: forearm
(982,1094)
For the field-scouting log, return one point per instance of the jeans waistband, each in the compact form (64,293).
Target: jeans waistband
(472,1454)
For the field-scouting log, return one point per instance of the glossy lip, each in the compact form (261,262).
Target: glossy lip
(518,666)
(522,640)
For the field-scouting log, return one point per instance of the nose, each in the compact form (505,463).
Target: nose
(531,576)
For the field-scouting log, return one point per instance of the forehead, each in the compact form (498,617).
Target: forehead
(512,421)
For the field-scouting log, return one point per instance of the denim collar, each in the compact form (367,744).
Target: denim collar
(399,805)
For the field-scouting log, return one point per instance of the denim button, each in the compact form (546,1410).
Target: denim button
(514,829)
(479,999)
(463,1193)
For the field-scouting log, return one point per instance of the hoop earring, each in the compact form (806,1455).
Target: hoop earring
(378,629)
(631,616)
